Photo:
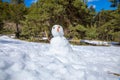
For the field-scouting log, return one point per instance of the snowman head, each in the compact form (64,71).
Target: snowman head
(57,30)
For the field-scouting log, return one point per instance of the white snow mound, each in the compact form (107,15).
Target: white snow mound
(20,60)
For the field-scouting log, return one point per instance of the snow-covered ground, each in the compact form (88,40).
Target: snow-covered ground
(20,60)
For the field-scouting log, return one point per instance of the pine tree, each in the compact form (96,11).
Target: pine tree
(17,1)
(18,10)
(45,13)
(115,3)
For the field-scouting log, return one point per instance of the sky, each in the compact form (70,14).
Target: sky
(98,4)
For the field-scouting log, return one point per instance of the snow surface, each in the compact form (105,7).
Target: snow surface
(20,60)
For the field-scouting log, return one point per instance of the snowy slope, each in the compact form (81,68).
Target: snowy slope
(20,60)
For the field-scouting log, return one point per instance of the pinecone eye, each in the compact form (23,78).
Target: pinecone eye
(53,27)
(58,26)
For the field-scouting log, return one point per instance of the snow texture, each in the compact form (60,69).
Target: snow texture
(20,60)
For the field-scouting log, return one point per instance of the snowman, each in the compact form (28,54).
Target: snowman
(59,44)
(61,48)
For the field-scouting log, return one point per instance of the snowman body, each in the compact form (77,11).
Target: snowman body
(59,44)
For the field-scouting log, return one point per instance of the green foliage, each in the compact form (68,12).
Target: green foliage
(17,12)
(102,17)
(4,11)
(109,30)
(78,21)
(116,36)
(4,14)
(45,13)
(76,32)
(12,12)
(30,30)
(108,24)
(91,33)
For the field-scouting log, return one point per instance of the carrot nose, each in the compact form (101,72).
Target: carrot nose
(58,29)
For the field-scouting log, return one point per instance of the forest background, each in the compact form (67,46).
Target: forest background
(78,20)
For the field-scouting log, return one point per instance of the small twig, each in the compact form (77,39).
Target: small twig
(116,74)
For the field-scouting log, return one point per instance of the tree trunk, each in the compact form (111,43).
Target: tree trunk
(1,25)
(17,33)
(46,35)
